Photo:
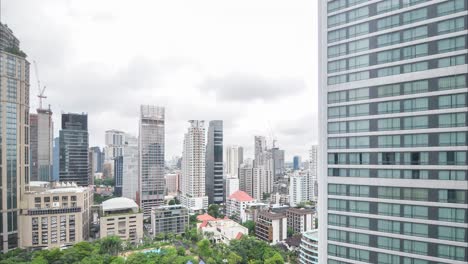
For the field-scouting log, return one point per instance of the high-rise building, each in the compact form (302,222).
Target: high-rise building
(298,189)
(14,123)
(214,179)
(393,107)
(297,162)
(233,158)
(246,179)
(56,157)
(231,185)
(74,165)
(98,159)
(41,130)
(277,158)
(192,184)
(114,140)
(172,183)
(312,182)
(260,148)
(151,172)
(262,182)
(130,167)
(118,175)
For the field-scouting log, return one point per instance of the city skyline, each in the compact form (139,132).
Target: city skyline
(204,66)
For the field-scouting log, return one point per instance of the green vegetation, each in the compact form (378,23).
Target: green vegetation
(105,182)
(174,249)
(98,199)
(15,51)
(213,210)
(251,226)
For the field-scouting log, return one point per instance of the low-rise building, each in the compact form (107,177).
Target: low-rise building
(300,219)
(271,227)
(253,209)
(54,214)
(236,204)
(222,230)
(308,252)
(169,219)
(121,217)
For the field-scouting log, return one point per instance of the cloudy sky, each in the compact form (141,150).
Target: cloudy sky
(251,63)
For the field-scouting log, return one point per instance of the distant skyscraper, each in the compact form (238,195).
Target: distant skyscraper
(14,123)
(231,186)
(262,182)
(33,147)
(260,149)
(233,158)
(130,167)
(41,145)
(114,140)
(277,155)
(246,178)
(118,175)
(297,162)
(151,172)
(192,183)
(214,180)
(393,131)
(312,181)
(98,159)
(56,156)
(297,189)
(74,165)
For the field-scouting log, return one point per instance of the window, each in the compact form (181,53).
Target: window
(414,33)
(451,252)
(358,142)
(415,51)
(389,141)
(452,101)
(336,5)
(407,3)
(389,209)
(451,233)
(388,158)
(388,124)
(452,158)
(364,75)
(359,190)
(452,196)
(415,211)
(451,61)
(452,82)
(358,94)
(359,254)
(337,127)
(452,175)
(412,229)
(388,193)
(452,215)
(415,247)
(358,45)
(336,158)
(395,174)
(418,104)
(414,16)
(415,158)
(337,79)
(336,35)
(418,174)
(336,97)
(358,13)
(388,259)
(358,110)
(337,189)
(358,62)
(388,71)
(387,6)
(388,243)
(451,25)
(388,22)
(451,44)
(358,126)
(388,39)
(357,30)
(388,226)
(416,87)
(336,143)
(388,56)
(359,158)
(358,222)
(337,205)
(450,7)
(337,66)
(359,173)
(418,140)
(337,235)
(336,51)
(336,220)
(452,139)
(414,67)
(359,207)
(388,90)
(337,20)
(358,239)
(338,251)
(416,122)
(336,112)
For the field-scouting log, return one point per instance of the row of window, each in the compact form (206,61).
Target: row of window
(397,193)
(444,45)
(453,175)
(384,6)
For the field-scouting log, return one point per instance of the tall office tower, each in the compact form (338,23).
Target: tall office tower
(74,164)
(98,159)
(214,180)
(233,158)
(14,124)
(312,181)
(393,105)
(260,149)
(151,157)
(130,167)
(114,140)
(262,182)
(297,162)
(118,175)
(41,135)
(277,156)
(192,183)
(246,178)
(56,156)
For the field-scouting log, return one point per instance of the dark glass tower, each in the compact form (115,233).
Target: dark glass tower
(214,180)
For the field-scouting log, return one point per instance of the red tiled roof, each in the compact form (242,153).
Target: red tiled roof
(204,224)
(239,235)
(241,196)
(205,217)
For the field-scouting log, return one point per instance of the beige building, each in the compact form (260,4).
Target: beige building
(271,227)
(222,230)
(169,219)
(54,214)
(121,217)
(300,219)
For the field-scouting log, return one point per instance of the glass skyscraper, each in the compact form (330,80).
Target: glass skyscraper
(393,111)
(214,179)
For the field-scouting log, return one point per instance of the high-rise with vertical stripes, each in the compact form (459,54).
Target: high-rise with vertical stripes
(393,122)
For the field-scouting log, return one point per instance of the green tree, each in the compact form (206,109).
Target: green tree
(233,258)
(213,210)
(111,245)
(204,248)
(137,258)
(290,232)
(250,225)
(172,202)
(275,259)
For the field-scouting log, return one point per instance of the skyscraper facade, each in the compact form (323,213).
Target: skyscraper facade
(130,167)
(277,156)
(297,162)
(98,159)
(393,108)
(193,194)
(8,41)
(14,137)
(118,175)
(41,135)
(233,158)
(74,164)
(260,148)
(151,164)
(312,181)
(214,171)
(56,157)
(114,140)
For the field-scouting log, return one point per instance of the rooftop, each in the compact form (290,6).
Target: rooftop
(301,211)
(120,203)
(241,196)
(272,215)
(205,217)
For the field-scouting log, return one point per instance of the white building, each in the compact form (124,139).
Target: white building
(262,182)
(236,205)
(192,185)
(312,183)
(308,251)
(130,167)
(151,157)
(231,185)
(271,227)
(246,178)
(172,183)
(233,158)
(222,230)
(297,190)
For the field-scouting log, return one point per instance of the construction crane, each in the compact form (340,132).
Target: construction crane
(40,90)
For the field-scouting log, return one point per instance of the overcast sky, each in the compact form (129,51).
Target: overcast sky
(251,63)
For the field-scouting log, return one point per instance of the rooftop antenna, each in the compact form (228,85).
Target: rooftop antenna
(41,91)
